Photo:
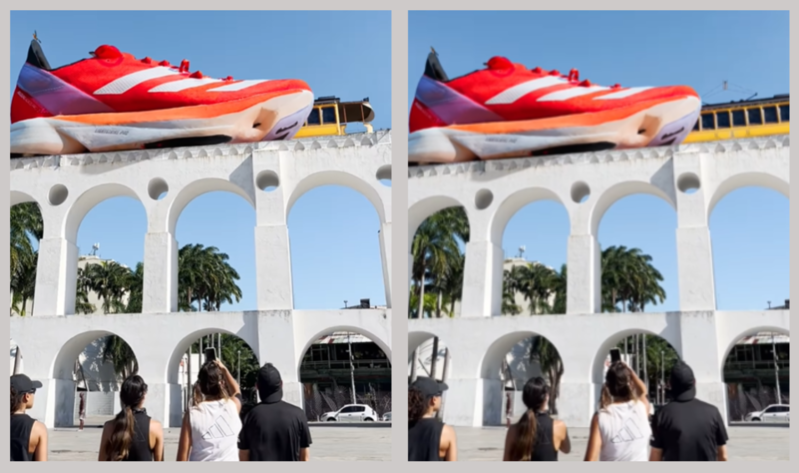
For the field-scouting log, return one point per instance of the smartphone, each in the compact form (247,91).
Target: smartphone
(210,354)
(615,355)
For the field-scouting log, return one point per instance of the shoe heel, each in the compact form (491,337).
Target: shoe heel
(39,136)
(433,145)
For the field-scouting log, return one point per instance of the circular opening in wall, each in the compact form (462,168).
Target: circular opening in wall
(483,199)
(158,188)
(688,183)
(267,181)
(384,175)
(580,192)
(58,194)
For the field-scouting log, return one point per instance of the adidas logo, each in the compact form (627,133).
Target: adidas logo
(628,433)
(220,429)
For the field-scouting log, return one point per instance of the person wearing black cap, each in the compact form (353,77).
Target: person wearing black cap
(687,429)
(428,438)
(274,430)
(28,436)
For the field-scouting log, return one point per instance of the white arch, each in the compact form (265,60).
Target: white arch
(197,188)
(88,200)
(19,197)
(416,339)
(421,210)
(619,191)
(498,349)
(730,344)
(514,203)
(337,178)
(173,366)
(343,328)
(598,365)
(747,179)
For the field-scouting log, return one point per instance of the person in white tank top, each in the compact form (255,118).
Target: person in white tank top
(211,427)
(620,430)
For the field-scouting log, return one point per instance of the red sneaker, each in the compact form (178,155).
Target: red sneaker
(507,110)
(113,101)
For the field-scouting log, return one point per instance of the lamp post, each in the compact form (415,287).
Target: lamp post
(352,368)
(776,368)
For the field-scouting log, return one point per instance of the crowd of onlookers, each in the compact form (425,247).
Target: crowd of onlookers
(685,429)
(213,428)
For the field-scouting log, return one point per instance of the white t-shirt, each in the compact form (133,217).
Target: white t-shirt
(625,432)
(215,427)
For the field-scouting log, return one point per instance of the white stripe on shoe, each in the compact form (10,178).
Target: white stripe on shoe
(563,95)
(178,85)
(125,83)
(512,94)
(623,94)
(237,86)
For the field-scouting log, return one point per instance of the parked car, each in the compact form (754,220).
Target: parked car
(351,413)
(773,413)
(387,417)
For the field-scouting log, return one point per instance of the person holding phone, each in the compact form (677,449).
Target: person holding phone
(212,424)
(620,430)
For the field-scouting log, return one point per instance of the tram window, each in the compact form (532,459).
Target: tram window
(770,114)
(723,119)
(738,118)
(329,115)
(784,111)
(755,117)
(696,126)
(708,123)
(313,118)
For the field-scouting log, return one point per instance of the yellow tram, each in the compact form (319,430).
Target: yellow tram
(330,117)
(742,119)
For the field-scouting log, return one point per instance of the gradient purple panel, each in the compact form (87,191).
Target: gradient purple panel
(451,106)
(58,97)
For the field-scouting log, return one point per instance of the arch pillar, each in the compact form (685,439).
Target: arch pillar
(385,253)
(56,283)
(694,252)
(160,291)
(482,272)
(699,347)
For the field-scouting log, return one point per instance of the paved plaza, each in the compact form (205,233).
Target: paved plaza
(330,442)
(747,443)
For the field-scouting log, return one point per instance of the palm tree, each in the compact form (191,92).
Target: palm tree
(117,352)
(135,290)
(27,229)
(82,304)
(110,281)
(437,255)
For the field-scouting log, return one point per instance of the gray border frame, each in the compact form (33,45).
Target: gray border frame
(399,51)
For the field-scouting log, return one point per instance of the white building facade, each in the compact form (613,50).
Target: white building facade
(270,176)
(691,178)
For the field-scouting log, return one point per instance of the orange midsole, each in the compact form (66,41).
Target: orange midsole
(565,121)
(182,113)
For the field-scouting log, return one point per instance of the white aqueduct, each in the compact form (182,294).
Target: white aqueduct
(691,178)
(270,176)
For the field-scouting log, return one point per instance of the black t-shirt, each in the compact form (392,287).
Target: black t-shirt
(689,431)
(275,432)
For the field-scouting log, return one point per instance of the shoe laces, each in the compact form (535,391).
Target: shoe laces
(182,69)
(573,77)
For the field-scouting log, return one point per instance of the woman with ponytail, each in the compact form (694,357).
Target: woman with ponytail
(536,437)
(132,435)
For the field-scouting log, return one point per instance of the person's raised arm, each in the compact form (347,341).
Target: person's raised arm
(640,388)
(40,453)
(594,441)
(184,445)
(230,381)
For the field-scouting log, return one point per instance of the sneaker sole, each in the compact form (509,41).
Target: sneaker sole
(262,118)
(641,125)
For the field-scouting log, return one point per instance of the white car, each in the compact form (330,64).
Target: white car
(387,417)
(773,413)
(351,413)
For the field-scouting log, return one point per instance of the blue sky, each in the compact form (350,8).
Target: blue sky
(749,228)
(347,54)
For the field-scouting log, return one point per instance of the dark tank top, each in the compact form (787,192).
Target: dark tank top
(424,440)
(139,450)
(544,447)
(21,427)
